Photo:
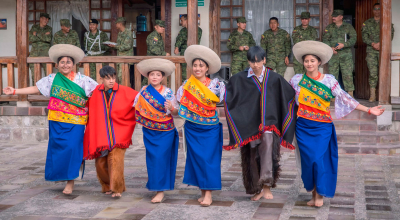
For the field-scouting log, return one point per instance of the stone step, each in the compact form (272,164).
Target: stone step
(383,149)
(355,125)
(367,137)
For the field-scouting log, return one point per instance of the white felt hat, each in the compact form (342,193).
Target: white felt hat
(310,47)
(204,53)
(60,50)
(156,64)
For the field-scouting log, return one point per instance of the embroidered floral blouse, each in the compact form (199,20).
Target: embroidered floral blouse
(167,94)
(85,82)
(217,87)
(344,103)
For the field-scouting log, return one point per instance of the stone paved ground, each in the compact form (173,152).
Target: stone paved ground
(368,188)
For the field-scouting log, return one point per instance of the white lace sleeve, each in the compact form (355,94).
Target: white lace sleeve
(137,96)
(44,84)
(294,82)
(344,103)
(89,85)
(218,88)
(169,95)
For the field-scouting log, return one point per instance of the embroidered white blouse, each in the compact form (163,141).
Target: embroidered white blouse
(217,87)
(344,103)
(85,82)
(167,94)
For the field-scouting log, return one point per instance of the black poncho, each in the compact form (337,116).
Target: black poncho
(248,101)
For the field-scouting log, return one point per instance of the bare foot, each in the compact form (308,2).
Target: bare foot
(258,196)
(267,192)
(158,198)
(69,187)
(203,193)
(108,192)
(312,201)
(116,195)
(207,199)
(319,200)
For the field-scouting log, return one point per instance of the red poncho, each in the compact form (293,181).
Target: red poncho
(110,124)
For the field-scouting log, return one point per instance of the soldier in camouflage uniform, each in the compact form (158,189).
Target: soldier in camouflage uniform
(341,36)
(66,35)
(181,42)
(371,36)
(301,33)
(155,42)
(40,38)
(239,42)
(124,43)
(94,46)
(278,45)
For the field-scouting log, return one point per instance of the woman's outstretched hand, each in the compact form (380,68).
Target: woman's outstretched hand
(8,90)
(377,110)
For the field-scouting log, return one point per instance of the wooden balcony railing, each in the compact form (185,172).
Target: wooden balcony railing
(99,60)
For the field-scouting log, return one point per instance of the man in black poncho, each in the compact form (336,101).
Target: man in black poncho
(261,114)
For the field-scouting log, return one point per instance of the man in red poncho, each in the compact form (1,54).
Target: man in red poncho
(109,130)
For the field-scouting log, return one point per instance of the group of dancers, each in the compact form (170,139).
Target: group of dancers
(90,121)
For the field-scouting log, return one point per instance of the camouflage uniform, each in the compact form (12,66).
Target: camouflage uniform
(70,38)
(344,57)
(278,48)
(181,44)
(155,42)
(371,34)
(94,46)
(124,46)
(301,34)
(235,40)
(40,43)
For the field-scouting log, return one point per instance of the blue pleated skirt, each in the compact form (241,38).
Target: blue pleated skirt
(161,158)
(319,155)
(204,152)
(64,152)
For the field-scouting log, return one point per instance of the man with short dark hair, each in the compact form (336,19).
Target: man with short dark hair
(260,111)
(276,42)
(40,37)
(341,36)
(301,33)
(155,42)
(94,44)
(371,33)
(109,130)
(66,35)
(239,42)
(124,43)
(181,42)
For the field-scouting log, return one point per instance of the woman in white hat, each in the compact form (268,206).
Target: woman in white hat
(68,92)
(154,106)
(198,97)
(315,131)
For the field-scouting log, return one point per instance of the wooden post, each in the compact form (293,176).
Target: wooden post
(166,16)
(22,46)
(178,76)
(86,69)
(386,49)
(192,27)
(214,38)
(138,79)
(125,75)
(10,74)
(49,69)
(98,67)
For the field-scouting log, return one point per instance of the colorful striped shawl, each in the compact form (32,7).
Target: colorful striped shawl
(198,103)
(151,112)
